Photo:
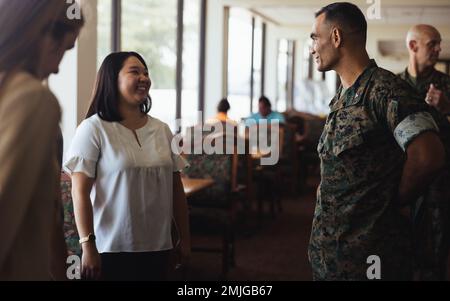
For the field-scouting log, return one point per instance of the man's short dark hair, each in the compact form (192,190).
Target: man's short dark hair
(347,16)
(265,101)
(223,106)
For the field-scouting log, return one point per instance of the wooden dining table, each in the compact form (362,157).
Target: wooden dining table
(193,186)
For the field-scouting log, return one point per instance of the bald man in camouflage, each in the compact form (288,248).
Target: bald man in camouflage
(432,214)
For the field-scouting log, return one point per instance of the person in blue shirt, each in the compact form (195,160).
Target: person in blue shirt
(265,113)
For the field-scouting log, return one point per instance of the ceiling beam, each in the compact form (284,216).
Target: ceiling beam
(315,3)
(264,17)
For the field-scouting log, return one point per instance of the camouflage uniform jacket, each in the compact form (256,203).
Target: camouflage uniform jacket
(432,210)
(421,86)
(362,156)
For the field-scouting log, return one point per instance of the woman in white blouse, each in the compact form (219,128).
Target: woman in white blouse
(127,188)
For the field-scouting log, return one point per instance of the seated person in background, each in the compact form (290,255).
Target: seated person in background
(291,113)
(221,125)
(265,113)
(254,121)
(222,113)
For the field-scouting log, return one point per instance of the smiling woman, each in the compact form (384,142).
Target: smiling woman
(126,69)
(134,83)
(137,191)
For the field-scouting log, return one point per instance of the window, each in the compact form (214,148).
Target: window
(191,62)
(257,63)
(285,74)
(282,75)
(150,29)
(308,61)
(315,89)
(104,8)
(239,62)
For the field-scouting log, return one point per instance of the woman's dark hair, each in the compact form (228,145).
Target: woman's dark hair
(265,101)
(223,106)
(105,101)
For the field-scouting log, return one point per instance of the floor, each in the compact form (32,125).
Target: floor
(274,251)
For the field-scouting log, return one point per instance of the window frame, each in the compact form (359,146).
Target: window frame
(116,45)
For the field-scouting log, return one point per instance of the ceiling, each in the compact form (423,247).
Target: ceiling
(301,12)
(395,15)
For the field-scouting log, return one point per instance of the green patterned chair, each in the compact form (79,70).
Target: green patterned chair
(213,210)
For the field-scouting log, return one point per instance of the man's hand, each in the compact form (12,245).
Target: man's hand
(437,99)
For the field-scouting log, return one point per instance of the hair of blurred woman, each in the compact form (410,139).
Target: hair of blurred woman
(28,28)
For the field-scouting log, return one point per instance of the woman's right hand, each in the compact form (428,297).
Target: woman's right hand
(90,262)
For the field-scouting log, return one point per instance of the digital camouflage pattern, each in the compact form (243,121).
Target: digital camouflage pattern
(432,221)
(422,84)
(362,158)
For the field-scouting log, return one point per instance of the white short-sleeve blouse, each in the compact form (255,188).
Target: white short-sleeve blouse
(133,192)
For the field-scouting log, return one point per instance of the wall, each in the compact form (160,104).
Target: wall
(375,33)
(63,86)
(397,32)
(87,59)
(301,35)
(73,85)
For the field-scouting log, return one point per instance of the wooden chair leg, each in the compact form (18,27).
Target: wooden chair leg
(272,205)
(225,255)
(260,211)
(280,207)
(232,249)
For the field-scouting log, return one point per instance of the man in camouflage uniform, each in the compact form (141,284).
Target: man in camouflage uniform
(431,219)
(378,151)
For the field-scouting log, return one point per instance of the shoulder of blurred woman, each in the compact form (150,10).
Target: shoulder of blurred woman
(24,92)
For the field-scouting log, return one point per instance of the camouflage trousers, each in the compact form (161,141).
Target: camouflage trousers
(340,259)
(431,231)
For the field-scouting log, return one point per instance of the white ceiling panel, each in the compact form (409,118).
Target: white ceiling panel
(289,15)
(298,15)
